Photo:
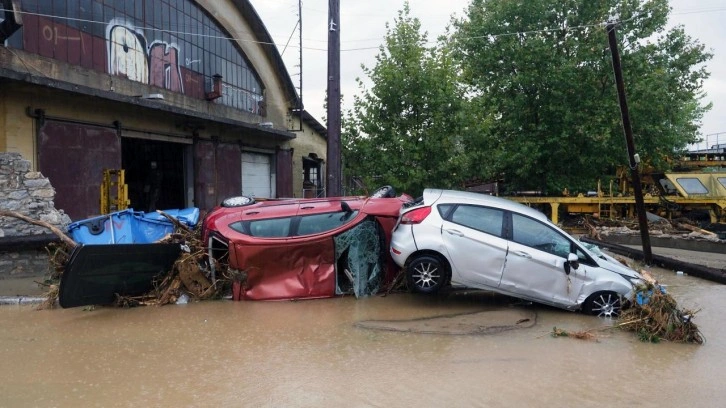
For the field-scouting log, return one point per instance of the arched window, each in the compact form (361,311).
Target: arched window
(172,44)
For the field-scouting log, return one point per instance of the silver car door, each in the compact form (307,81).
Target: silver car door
(473,238)
(535,265)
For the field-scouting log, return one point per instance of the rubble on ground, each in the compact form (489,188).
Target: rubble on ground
(680,228)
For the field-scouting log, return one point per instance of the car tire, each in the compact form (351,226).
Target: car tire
(238,201)
(384,192)
(604,304)
(426,274)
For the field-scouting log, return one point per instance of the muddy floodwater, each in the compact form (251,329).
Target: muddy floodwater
(316,354)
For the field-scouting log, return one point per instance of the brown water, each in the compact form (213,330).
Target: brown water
(310,354)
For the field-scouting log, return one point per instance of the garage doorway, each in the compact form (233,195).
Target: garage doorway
(257,176)
(154,173)
(73,156)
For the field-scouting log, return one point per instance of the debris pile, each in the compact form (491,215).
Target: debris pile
(655,316)
(189,279)
(681,228)
(58,255)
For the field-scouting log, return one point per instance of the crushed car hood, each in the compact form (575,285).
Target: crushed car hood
(608,262)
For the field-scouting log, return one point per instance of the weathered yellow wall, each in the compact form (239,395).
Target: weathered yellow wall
(15,126)
(18,133)
(18,129)
(307,141)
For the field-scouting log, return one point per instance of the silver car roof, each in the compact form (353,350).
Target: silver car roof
(432,195)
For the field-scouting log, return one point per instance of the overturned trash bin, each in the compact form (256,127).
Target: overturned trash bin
(95,274)
(130,227)
(118,255)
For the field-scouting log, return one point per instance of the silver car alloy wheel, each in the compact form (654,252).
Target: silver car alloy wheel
(606,304)
(427,275)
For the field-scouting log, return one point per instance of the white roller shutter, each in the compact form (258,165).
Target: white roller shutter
(256,175)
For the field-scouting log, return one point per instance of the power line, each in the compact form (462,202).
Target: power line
(175,32)
(288,40)
(180,33)
(488,36)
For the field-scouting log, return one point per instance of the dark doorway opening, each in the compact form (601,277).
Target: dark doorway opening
(154,173)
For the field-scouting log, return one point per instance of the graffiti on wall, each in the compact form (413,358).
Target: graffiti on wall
(129,56)
(132,51)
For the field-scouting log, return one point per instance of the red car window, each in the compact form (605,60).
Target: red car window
(317,223)
(269,228)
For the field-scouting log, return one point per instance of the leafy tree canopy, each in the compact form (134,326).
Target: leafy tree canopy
(406,129)
(541,71)
(524,90)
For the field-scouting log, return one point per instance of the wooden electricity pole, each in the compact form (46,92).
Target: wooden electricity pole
(333,170)
(633,163)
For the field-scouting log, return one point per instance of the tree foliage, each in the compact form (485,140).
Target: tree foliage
(524,90)
(542,72)
(406,129)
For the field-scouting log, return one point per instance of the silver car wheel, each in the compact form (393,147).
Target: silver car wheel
(426,274)
(384,192)
(605,304)
(239,201)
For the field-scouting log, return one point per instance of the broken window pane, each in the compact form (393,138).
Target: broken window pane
(359,259)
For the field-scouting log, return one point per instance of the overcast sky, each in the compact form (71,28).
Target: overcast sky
(363,26)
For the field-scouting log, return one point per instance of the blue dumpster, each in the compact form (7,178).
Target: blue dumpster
(130,227)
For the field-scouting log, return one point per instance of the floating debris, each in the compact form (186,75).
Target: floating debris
(581,335)
(656,317)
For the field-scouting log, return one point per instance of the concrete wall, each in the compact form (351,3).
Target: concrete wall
(18,129)
(307,141)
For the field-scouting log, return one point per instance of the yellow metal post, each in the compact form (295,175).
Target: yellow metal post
(120,200)
(105,183)
(555,208)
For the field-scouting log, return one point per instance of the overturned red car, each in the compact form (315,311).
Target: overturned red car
(305,248)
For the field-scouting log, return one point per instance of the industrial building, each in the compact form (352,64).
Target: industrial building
(190,99)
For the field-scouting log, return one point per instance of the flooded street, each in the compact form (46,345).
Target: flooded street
(312,354)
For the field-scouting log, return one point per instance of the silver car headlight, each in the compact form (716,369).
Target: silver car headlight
(635,281)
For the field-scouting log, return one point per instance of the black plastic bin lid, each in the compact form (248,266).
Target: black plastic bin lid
(96,273)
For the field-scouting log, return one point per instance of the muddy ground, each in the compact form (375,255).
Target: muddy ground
(324,353)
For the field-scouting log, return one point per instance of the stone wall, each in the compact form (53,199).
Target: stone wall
(29,193)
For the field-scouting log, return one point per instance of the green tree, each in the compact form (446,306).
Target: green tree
(406,130)
(539,74)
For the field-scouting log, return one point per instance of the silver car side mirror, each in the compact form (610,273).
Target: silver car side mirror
(572,262)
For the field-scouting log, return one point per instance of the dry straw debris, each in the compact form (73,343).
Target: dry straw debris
(189,277)
(660,319)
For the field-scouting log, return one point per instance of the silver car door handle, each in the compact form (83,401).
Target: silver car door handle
(522,254)
(455,232)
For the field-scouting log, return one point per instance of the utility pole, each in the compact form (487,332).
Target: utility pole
(333,169)
(633,163)
(300,107)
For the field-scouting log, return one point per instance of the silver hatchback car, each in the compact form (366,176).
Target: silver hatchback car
(491,243)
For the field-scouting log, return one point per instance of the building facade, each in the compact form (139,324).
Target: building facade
(190,98)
